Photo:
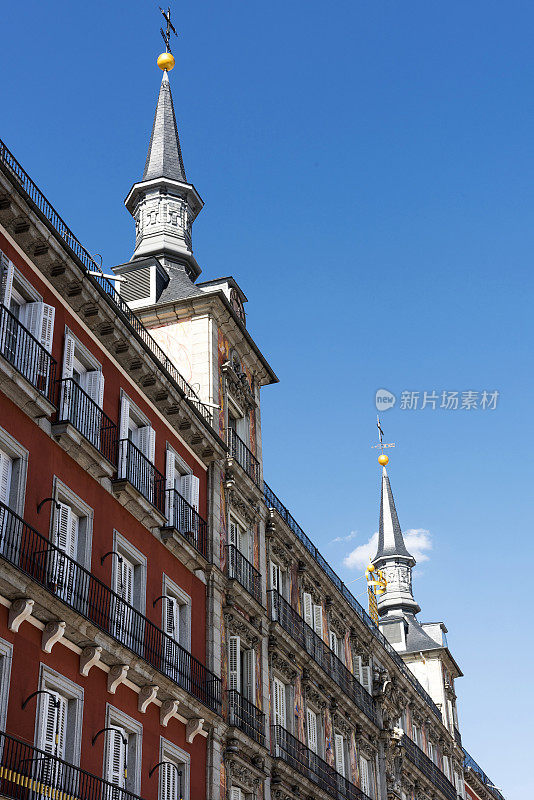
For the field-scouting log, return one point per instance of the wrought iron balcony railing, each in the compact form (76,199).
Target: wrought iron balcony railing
(243,571)
(272,501)
(9,163)
(291,621)
(243,455)
(470,763)
(138,470)
(187,521)
(26,354)
(27,773)
(308,763)
(76,407)
(246,716)
(25,548)
(428,768)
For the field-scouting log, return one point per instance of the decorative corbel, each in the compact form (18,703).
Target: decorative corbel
(169,709)
(193,727)
(116,676)
(52,633)
(19,611)
(89,656)
(147,695)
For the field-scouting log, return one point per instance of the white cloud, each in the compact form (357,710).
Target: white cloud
(338,539)
(418,542)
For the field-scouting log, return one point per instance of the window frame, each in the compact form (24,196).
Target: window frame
(6,658)
(63,494)
(19,471)
(168,751)
(171,589)
(131,553)
(118,718)
(56,682)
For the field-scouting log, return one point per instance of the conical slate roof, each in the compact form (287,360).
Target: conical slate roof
(390,538)
(164,157)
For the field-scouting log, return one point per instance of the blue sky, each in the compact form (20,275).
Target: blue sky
(367,170)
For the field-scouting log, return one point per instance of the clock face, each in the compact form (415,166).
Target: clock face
(237,305)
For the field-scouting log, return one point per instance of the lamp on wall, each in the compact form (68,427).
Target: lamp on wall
(55,701)
(47,500)
(125,742)
(111,553)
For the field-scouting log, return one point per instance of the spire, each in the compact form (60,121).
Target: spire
(164,157)
(393,558)
(390,538)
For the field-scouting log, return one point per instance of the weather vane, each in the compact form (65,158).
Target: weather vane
(383,459)
(166,34)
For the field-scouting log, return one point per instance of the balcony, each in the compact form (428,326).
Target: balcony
(240,569)
(96,448)
(286,616)
(183,518)
(27,367)
(244,715)
(26,773)
(244,457)
(139,486)
(308,764)
(28,551)
(425,765)
(470,765)
(273,502)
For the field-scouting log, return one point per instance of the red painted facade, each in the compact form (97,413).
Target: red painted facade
(47,459)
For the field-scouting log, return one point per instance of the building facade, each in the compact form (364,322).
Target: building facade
(167,629)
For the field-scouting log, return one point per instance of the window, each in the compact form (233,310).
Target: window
(335,644)
(59,716)
(239,423)
(446,767)
(128,578)
(13,469)
(277,578)
(339,746)
(174,774)
(416,734)
(365,777)
(363,673)
(180,479)
(6,654)
(71,526)
(241,537)
(313,614)
(82,389)
(279,703)
(122,752)
(241,669)
(26,306)
(311,730)
(136,448)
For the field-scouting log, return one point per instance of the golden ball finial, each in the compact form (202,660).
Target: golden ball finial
(166,61)
(383,459)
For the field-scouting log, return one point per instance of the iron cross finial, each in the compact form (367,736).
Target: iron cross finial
(166,34)
(381,443)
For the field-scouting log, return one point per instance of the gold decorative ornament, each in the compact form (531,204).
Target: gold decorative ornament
(166,62)
(383,459)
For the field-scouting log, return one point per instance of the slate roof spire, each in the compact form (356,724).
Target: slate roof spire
(164,157)
(390,538)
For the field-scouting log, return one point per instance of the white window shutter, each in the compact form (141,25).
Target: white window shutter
(68,356)
(234,663)
(189,489)
(364,775)
(170,474)
(357,666)
(249,676)
(171,622)
(116,757)
(31,316)
(276,577)
(125,417)
(169,782)
(53,723)
(146,441)
(6,277)
(63,527)
(47,329)
(318,620)
(366,679)
(235,793)
(232,532)
(127,580)
(279,705)
(308,608)
(151,445)
(311,725)
(5,477)
(333,642)
(339,746)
